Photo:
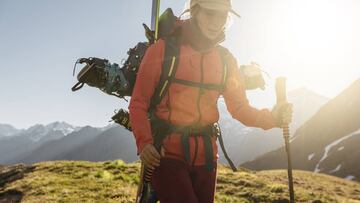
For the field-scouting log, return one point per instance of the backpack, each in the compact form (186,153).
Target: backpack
(110,77)
(118,81)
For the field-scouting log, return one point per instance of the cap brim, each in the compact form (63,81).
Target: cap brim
(217,7)
(235,13)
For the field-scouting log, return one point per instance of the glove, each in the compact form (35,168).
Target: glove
(151,157)
(282,113)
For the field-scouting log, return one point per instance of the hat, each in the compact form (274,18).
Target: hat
(223,5)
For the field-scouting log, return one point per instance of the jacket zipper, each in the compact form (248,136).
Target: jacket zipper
(196,150)
(200,89)
(198,105)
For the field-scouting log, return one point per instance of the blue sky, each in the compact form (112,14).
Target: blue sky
(314,44)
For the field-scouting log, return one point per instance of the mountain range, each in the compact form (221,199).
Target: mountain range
(62,141)
(18,142)
(7,130)
(327,143)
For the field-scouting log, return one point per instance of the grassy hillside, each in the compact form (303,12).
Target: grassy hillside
(79,181)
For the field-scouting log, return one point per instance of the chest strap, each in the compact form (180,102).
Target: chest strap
(217,87)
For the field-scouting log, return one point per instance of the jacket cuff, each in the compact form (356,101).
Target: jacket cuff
(266,120)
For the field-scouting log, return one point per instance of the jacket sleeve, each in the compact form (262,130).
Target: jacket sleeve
(237,103)
(146,82)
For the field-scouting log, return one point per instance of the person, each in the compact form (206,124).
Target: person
(183,172)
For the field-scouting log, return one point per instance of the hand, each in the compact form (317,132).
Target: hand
(150,157)
(282,113)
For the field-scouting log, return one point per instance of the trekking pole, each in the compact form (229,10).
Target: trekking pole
(145,193)
(155,18)
(280,88)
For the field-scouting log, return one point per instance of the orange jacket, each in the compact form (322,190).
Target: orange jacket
(184,105)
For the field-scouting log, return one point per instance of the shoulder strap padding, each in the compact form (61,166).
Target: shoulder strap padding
(224,54)
(170,64)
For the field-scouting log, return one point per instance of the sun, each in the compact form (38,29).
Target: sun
(313,43)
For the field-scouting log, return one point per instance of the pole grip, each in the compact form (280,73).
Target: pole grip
(280,88)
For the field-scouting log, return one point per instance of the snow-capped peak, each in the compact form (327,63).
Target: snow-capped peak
(63,127)
(57,129)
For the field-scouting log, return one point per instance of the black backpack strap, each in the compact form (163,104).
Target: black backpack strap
(224,54)
(228,159)
(218,87)
(170,64)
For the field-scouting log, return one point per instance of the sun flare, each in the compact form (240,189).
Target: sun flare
(313,43)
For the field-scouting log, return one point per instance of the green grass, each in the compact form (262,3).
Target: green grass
(115,181)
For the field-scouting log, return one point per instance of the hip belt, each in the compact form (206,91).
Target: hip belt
(162,128)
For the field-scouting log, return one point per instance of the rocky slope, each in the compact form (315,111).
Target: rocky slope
(327,143)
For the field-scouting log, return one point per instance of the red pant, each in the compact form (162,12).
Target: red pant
(176,182)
